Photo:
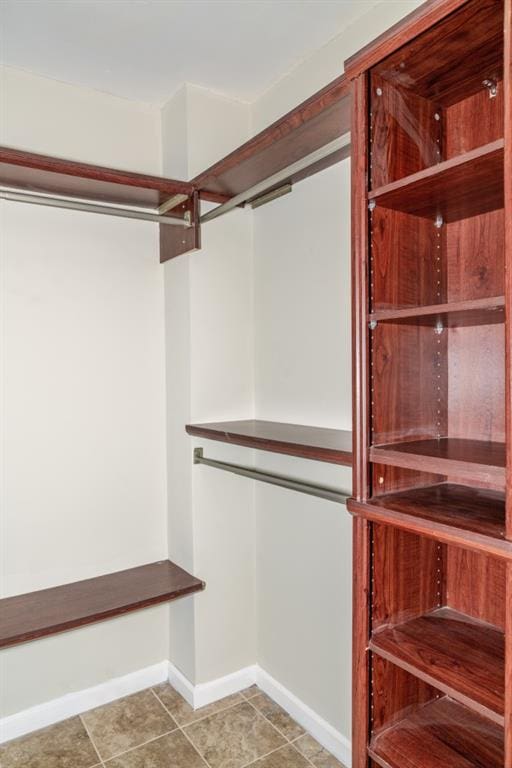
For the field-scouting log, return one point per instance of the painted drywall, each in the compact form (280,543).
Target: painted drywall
(83,400)
(209,342)
(303,375)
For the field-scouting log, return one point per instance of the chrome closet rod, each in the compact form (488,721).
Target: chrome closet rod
(322,491)
(276,178)
(81,205)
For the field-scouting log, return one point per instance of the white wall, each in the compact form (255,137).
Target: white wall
(209,338)
(303,375)
(83,419)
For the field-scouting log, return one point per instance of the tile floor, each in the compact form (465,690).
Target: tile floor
(156,728)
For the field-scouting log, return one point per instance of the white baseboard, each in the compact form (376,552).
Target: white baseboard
(320,729)
(197,696)
(74,703)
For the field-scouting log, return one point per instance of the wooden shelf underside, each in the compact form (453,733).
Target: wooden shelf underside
(319,120)
(452,315)
(330,445)
(469,460)
(460,656)
(442,733)
(454,514)
(464,186)
(49,611)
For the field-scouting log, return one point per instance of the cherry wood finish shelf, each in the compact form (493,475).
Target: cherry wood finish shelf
(460,656)
(49,611)
(454,514)
(319,120)
(472,459)
(485,311)
(31,172)
(330,445)
(441,733)
(464,186)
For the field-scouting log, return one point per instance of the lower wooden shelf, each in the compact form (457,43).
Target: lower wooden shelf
(458,655)
(454,514)
(441,733)
(49,611)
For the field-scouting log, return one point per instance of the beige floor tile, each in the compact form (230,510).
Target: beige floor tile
(171,751)
(248,693)
(235,737)
(316,754)
(277,716)
(64,745)
(286,757)
(181,710)
(127,723)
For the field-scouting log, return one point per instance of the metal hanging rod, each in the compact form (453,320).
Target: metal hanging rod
(81,205)
(322,491)
(280,176)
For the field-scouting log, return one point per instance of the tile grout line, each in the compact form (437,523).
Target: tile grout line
(137,746)
(182,731)
(86,729)
(200,719)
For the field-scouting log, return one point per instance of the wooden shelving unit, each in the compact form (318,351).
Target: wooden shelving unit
(432,235)
(50,611)
(330,445)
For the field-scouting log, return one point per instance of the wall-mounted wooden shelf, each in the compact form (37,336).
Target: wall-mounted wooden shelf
(472,459)
(316,122)
(441,733)
(331,445)
(464,186)
(452,315)
(49,611)
(460,656)
(453,514)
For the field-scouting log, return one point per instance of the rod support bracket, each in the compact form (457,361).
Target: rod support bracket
(198,454)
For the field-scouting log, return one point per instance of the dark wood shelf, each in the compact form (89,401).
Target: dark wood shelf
(454,514)
(319,120)
(49,611)
(441,733)
(331,445)
(464,186)
(29,172)
(455,653)
(452,315)
(469,460)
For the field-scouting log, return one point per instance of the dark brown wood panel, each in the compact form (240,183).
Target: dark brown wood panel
(474,253)
(30,172)
(320,119)
(462,133)
(330,445)
(49,611)
(469,459)
(447,512)
(460,656)
(475,585)
(464,186)
(442,733)
(452,315)
(175,241)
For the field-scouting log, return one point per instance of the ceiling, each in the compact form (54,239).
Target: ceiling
(145,49)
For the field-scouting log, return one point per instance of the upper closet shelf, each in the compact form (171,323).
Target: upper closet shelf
(330,445)
(464,186)
(313,136)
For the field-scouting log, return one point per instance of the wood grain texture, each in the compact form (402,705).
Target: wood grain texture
(452,514)
(442,733)
(464,186)
(470,459)
(475,585)
(175,241)
(360,638)
(484,311)
(320,119)
(331,445)
(49,611)
(31,172)
(448,62)
(460,656)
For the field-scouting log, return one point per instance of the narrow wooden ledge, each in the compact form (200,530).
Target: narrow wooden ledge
(50,611)
(330,445)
